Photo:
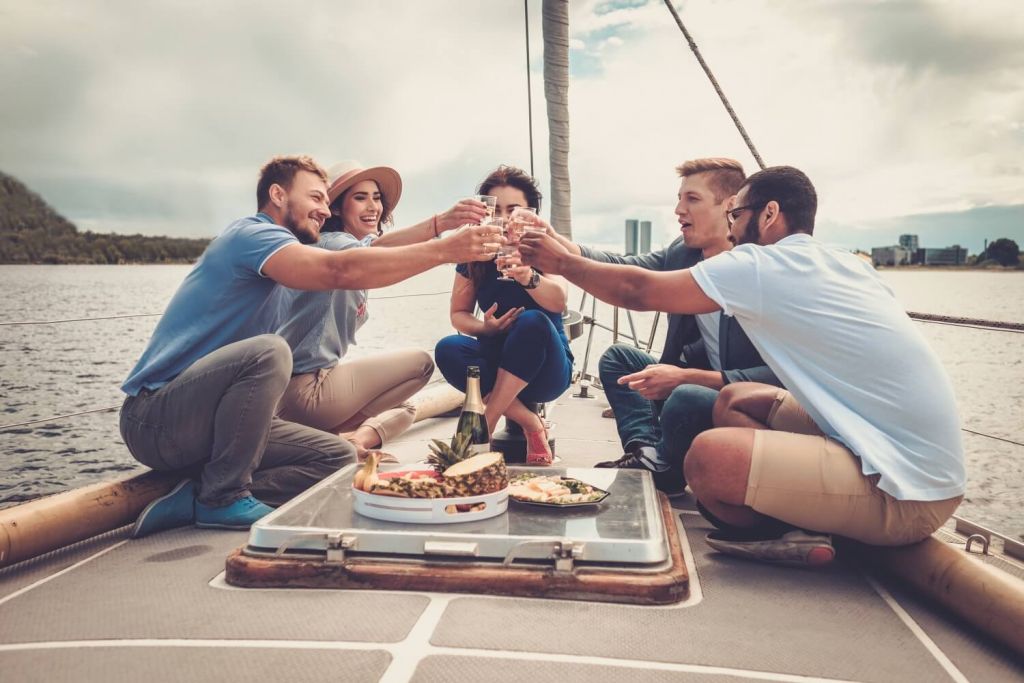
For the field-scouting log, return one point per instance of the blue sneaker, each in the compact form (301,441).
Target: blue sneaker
(167,512)
(238,515)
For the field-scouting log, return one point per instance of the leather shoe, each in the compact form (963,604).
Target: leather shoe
(669,481)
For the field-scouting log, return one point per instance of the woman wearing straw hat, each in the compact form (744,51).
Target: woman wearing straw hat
(366,399)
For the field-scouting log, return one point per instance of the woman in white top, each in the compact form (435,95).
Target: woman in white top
(364,400)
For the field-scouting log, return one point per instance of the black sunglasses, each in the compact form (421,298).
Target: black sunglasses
(734,214)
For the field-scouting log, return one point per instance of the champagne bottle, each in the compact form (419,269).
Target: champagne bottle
(472,422)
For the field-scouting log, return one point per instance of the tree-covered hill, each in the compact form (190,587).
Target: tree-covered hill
(32,232)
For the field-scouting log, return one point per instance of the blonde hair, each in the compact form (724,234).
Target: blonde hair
(725,176)
(281,171)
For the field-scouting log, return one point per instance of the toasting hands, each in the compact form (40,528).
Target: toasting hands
(465,212)
(472,243)
(542,251)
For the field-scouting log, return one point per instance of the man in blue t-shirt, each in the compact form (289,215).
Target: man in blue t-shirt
(201,399)
(866,441)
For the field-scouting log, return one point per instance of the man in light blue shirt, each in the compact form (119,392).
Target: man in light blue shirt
(866,442)
(201,399)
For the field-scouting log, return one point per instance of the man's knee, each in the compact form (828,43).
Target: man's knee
(698,461)
(616,361)
(274,349)
(686,401)
(724,405)
(338,454)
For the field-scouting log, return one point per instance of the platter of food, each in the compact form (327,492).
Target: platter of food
(458,487)
(554,491)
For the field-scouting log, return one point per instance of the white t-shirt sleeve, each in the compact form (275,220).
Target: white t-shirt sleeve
(732,280)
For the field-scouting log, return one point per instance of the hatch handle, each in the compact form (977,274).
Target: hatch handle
(451,548)
(563,552)
(981,538)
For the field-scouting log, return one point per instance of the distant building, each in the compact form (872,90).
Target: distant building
(948,256)
(645,237)
(909,242)
(891,256)
(638,237)
(632,236)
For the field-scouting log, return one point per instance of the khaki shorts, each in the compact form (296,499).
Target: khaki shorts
(802,477)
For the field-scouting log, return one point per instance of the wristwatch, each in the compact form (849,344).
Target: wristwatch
(534,280)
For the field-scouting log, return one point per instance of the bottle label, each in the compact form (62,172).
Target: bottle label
(478,448)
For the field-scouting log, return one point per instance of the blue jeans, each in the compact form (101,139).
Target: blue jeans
(670,425)
(532,350)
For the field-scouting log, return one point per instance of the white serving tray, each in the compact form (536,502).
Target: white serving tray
(428,510)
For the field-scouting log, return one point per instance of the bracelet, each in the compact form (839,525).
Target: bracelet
(435,226)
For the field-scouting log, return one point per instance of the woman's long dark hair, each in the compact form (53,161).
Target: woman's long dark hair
(334,224)
(506,176)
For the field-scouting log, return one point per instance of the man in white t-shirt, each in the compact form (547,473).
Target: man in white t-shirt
(866,442)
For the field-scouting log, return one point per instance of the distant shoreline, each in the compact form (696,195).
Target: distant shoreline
(126,263)
(954,269)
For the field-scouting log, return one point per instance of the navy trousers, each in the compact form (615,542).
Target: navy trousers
(532,350)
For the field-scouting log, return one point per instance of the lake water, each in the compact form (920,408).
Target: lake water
(56,369)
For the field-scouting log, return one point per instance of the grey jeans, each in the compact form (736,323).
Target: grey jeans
(216,419)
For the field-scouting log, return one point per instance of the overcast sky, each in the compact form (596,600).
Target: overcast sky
(154,116)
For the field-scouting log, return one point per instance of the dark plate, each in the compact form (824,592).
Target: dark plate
(546,504)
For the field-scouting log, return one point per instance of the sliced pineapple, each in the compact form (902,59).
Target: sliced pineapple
(480,474)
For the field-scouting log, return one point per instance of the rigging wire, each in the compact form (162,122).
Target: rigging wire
(714,83)
(529,92)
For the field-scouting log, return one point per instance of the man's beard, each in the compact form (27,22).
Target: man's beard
(750,234)
(294,226)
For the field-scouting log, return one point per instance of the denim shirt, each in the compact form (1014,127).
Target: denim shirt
(320,326)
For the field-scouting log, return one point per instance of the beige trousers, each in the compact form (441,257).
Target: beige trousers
(800,476)
(371,391)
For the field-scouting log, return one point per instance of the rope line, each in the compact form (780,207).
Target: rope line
(714,83)
(118,407)
(59,417)
(967,322)
(77,320)
(989,436)
(436,381)
(150,315)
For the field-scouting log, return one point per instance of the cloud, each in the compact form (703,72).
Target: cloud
(156,116)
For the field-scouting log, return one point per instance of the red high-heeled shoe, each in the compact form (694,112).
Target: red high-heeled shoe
(538,452)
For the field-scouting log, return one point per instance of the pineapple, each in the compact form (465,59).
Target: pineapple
(411,488)
(442,456)
(463,472)
(483,473)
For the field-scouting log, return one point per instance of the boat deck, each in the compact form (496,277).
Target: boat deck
(158,609)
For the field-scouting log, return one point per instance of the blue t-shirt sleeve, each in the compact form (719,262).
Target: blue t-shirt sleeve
(462,269)
(255,243)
